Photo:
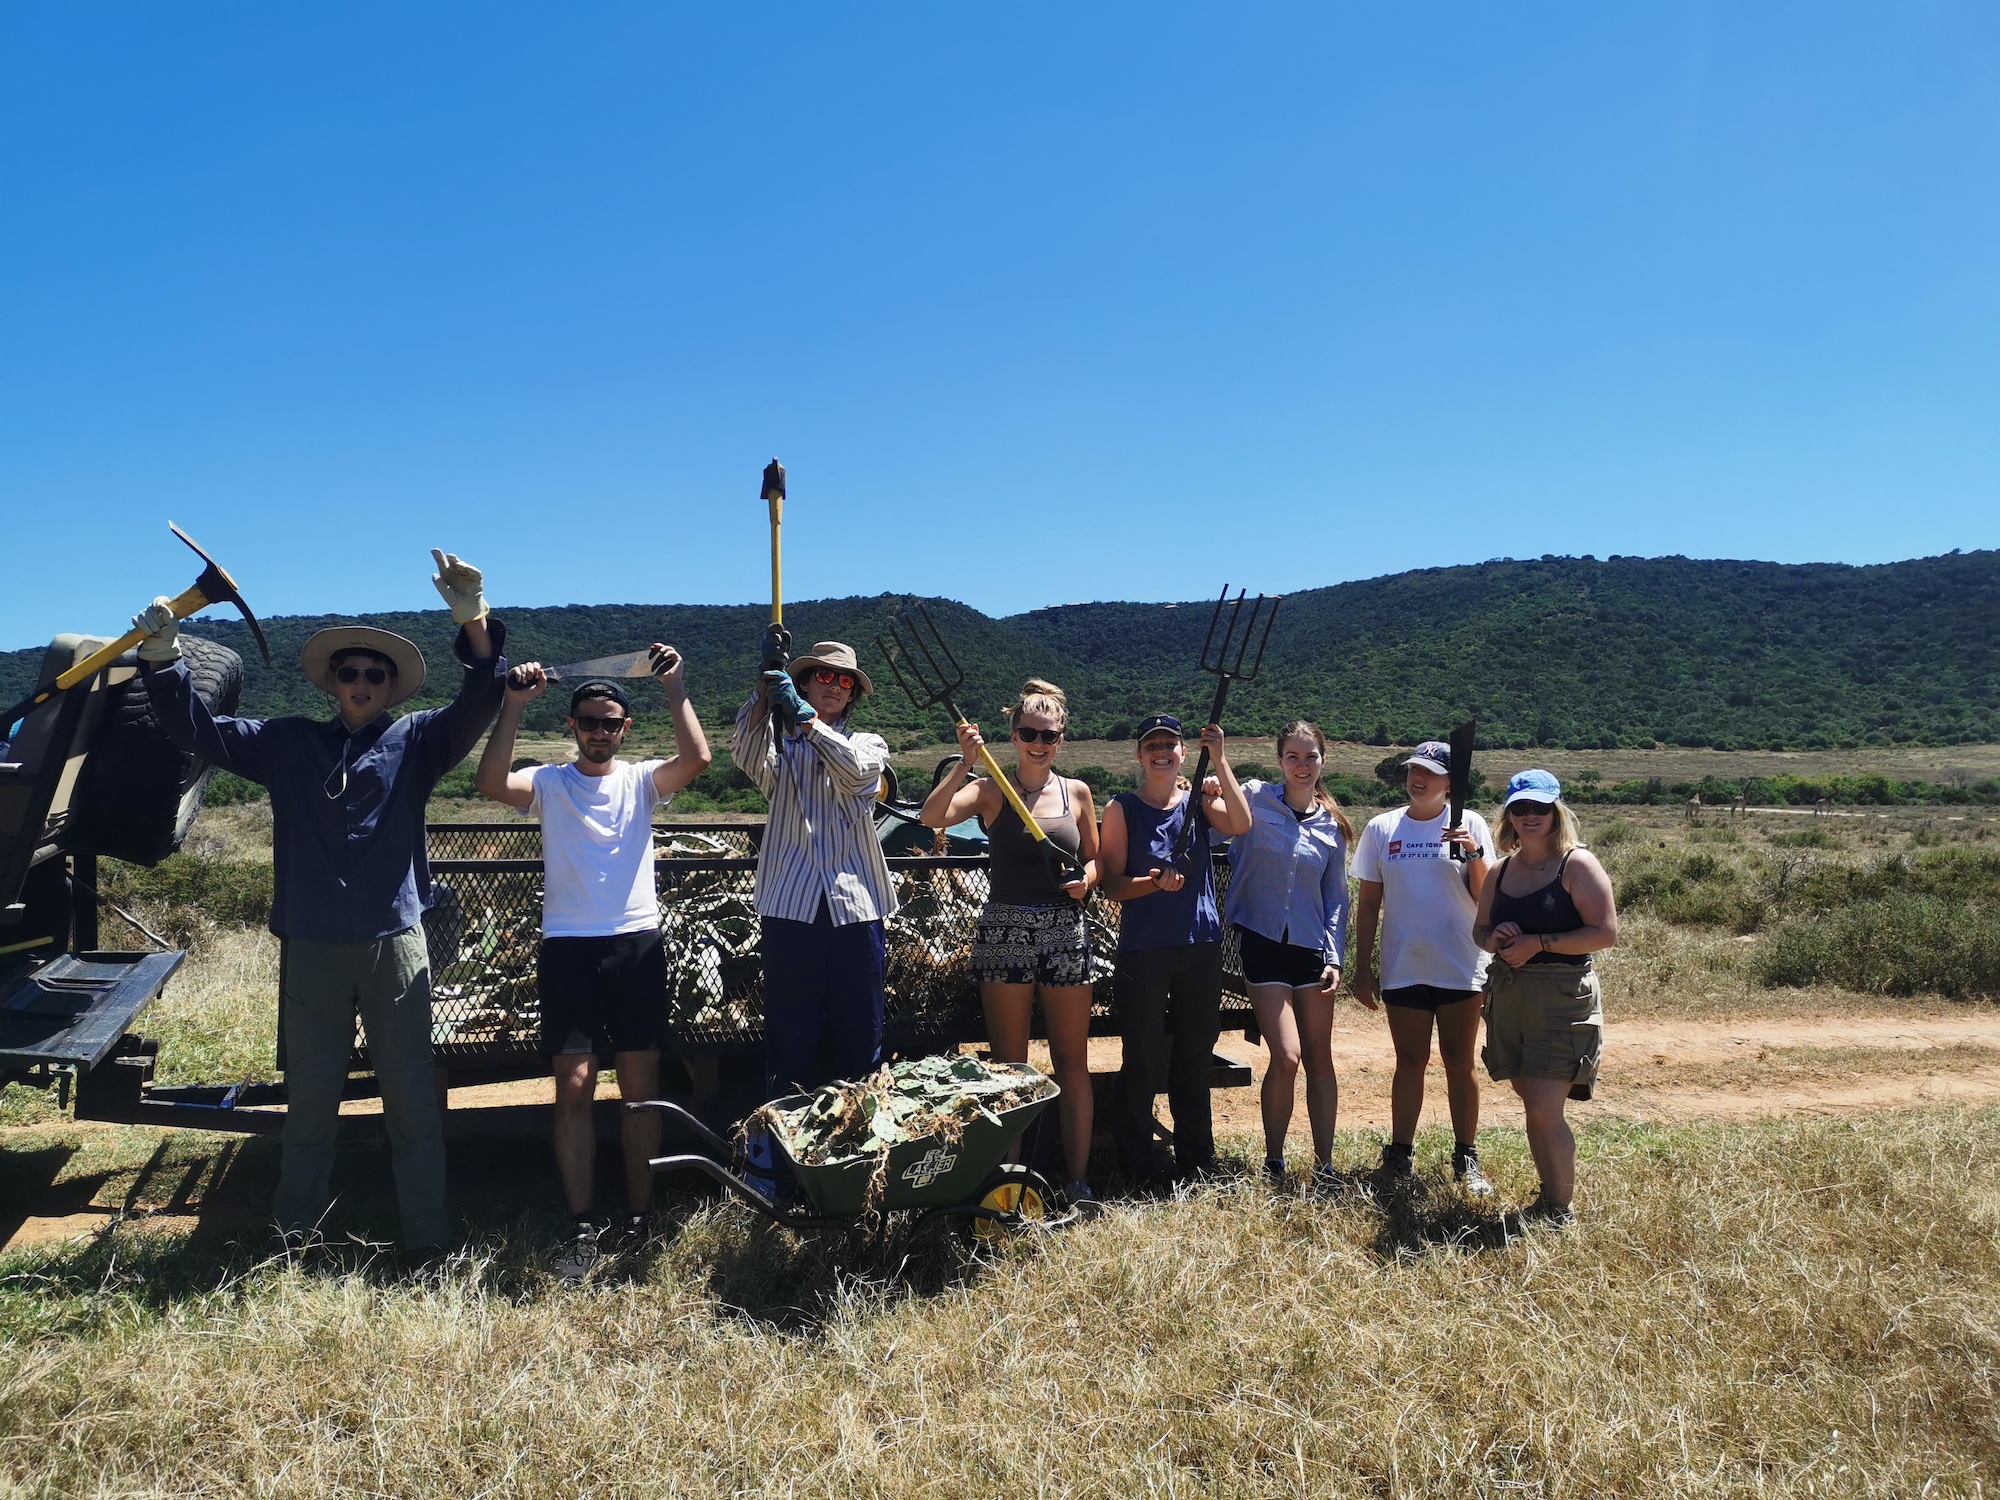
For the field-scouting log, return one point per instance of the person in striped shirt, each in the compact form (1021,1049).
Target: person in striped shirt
(823,887)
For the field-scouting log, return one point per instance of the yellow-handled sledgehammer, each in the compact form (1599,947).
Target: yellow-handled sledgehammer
(214,586)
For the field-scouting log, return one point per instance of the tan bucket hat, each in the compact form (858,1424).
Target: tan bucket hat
(836,654)
(323,645)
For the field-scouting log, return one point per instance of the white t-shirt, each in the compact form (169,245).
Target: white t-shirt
(1426,910)
(597,849)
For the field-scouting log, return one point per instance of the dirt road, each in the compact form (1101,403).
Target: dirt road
(1655,1070)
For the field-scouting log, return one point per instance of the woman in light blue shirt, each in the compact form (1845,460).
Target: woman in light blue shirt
(1288,903)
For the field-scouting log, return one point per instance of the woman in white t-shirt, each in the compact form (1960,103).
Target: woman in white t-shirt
(1423,880)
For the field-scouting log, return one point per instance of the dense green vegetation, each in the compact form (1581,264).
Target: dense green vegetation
(1569,652)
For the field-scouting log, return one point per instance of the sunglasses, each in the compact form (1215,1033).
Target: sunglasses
(1519,810)
(591,724)
(1045,736)
(827,677)
(376,675)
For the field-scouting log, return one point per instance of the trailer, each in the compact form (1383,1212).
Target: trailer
(90,775)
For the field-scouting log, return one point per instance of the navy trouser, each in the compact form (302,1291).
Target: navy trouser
(1153,986)
(822,1001)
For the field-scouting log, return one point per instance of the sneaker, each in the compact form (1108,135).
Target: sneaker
(1554,1215)
(1472,1181)
(1399,1163)
(633,1232)
(1274,1171)
(1082,1197)
(584,1252)
(1326,1180)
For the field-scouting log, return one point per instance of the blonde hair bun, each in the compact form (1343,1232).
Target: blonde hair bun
(1039,697)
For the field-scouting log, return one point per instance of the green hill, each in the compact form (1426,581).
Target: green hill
(1573,652)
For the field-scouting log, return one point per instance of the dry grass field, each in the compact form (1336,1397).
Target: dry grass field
(1785,1281)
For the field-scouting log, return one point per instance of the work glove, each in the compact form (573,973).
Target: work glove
(785,700)
(162,643)
(776,649)
(462,586)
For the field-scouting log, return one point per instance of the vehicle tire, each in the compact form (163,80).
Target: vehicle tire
(1019,1192)
(139,792)
(888,790)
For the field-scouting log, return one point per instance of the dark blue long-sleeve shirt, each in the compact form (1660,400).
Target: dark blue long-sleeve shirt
(347,806)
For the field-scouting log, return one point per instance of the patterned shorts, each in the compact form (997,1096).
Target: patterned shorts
(1044,945)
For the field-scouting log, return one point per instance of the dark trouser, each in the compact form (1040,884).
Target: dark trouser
(389,982)
(1149,985)
(822,1001)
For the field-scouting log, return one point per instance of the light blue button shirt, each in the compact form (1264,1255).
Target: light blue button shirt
(1288,879)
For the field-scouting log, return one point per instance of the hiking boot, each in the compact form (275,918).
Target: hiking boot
(1399,1164)
(584,1252)
(1471,1181)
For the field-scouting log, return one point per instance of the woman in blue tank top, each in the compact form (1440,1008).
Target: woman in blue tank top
(1169,947)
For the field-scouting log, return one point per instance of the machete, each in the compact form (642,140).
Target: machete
(626,664)
(1461,778)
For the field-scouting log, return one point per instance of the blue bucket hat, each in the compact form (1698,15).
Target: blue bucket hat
(1533,786)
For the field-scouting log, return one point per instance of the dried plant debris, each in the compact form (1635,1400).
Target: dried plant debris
(907,1101)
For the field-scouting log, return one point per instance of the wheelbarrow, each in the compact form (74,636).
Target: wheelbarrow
(932,1176)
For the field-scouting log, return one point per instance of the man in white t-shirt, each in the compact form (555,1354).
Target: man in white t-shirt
(602,972)
(1423,879)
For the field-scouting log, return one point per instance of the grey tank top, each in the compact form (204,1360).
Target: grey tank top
(1019,876)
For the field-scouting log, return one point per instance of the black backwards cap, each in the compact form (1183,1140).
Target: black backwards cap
(597,687)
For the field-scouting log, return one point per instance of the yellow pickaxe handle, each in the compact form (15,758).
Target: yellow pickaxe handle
(188,602)
(1014,801)
(777,577)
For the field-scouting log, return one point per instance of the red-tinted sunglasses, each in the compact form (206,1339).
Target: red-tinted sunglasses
(828,677)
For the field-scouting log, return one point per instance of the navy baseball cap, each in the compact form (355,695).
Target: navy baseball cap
(1533,786)
(1154,723)
(597,687)
(1432,755)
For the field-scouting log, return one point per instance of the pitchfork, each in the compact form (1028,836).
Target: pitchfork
(931,682)
(1237,634)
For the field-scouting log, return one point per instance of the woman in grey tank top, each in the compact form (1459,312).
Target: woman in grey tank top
(1031,935)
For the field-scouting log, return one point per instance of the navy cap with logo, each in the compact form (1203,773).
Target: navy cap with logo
(1432,755)
(598,688)
(1154,723)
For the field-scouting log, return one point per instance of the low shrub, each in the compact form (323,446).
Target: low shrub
(1805,838)
(1693,889)
(227,789)
(1904,944)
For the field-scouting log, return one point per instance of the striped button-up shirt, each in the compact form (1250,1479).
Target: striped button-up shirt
(821,842)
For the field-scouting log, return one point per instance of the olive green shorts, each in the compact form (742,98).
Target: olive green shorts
(1544,1021)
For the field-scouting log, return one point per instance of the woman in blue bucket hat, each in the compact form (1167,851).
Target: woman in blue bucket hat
(1542,914)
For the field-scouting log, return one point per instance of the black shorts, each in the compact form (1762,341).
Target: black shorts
(1425,996)
(1267,961)
(602,995)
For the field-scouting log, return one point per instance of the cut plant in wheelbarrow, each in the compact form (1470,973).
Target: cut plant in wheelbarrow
(925,1135)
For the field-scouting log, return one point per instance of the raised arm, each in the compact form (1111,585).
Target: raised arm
(448,734)
(691,754)
(1228,809)
(957,796)
(752,745)
(239,746)
(494,779)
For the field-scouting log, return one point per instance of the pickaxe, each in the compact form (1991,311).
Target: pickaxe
(214,586)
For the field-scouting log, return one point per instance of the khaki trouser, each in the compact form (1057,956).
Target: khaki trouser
(1544,1021)
(389,982)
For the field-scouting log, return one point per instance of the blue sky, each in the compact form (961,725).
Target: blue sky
(1038,303)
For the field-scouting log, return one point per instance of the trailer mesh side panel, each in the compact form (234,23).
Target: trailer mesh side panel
(484,927)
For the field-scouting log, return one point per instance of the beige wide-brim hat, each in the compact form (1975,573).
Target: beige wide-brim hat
(322,646)
(836,654)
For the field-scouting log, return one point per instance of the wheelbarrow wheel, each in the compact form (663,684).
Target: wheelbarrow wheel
(1020,1195)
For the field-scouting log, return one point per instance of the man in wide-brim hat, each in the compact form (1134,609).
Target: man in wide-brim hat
(823,887)
(351,876)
